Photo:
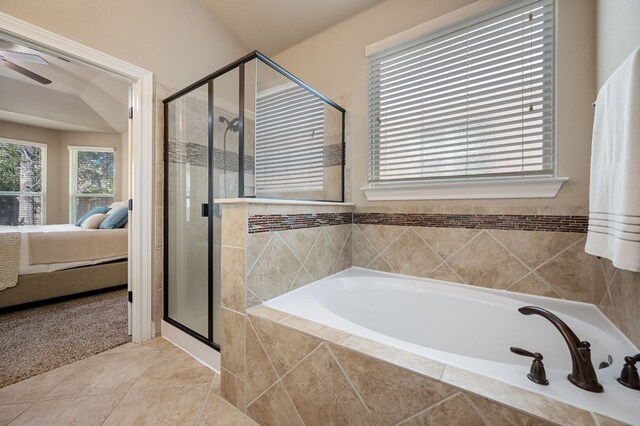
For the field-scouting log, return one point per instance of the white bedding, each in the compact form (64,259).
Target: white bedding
(25,266)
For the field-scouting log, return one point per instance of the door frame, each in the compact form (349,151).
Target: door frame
(141,176)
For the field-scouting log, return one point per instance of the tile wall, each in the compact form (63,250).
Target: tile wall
(260,262)
(301,373)
(488,246)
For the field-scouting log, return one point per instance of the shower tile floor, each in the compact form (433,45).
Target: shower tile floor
(153,383)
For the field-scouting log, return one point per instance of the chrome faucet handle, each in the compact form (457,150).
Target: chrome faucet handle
(629,375)
(537,373)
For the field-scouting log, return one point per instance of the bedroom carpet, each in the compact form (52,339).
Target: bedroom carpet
(42,338)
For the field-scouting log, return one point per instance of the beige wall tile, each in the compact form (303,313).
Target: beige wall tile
(260,373)
(534,248)
(380,264)
(454,411)
(322,257)
(234,225)
(303,278)
(532,284)
(232,329)
(410,361)
(499,415)
(381,235)
(274,271)
(606,421)
(362,250)
(321,393)
(338,234)
(391,393)
(300,241)
(274,408)
(625,294)
(232,389)
(539,405)
(606,307)
(315,329)
(445,241)
(256,244)
(232,290)
(571,274)
(267,313)
(409,255)
(445,273)
(284,346)
(508,210)
(484,262)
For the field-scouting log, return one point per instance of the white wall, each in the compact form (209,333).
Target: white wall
(334,63)
(180,41)
(618,34)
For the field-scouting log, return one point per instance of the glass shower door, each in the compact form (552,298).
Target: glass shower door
(188,290)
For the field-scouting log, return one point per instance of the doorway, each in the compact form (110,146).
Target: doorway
(140,239)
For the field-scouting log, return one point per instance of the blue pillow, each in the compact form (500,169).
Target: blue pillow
(95,210)
(117,219)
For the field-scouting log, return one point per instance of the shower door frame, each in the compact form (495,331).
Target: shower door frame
(208,80)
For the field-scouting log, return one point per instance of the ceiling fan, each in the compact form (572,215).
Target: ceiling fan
(8,56)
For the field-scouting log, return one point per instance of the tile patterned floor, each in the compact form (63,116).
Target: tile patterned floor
(154,383)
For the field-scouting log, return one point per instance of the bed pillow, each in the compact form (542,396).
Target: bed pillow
(95,210)
(118,205)
(117,219)
(94,221)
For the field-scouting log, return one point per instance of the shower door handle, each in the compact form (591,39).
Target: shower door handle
(205,210)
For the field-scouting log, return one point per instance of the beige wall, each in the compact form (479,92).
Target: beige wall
(58,161)
(180,41)
(618,34)
(334,63)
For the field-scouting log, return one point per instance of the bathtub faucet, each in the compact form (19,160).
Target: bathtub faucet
(583,374)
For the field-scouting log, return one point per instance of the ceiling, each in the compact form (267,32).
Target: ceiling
(79,98)
(275,25)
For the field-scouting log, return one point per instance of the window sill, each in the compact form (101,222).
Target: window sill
(468,189)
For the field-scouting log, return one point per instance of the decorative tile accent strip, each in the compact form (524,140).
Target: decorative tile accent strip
(333,155)
(283,222)
(576,224)
(196,155)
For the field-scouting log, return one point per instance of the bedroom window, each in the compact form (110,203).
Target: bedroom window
(91,179)
(23,171)
(469,102)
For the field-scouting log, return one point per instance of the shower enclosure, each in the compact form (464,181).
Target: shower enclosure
(249,130)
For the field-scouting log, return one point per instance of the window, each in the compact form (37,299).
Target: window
(91,179)
(23,171)
(289,140)
(475,100)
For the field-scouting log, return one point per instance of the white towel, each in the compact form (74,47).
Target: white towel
(614,193)
(9,257)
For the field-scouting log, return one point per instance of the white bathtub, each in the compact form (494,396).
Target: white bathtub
(472,328)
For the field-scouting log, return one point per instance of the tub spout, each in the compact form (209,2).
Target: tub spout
(583,374)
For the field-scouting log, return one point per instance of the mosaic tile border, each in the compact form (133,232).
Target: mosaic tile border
(283,222)
(544,223)
(197,155)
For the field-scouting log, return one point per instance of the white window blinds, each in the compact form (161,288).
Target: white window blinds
(289,141)
(472,100)
(91,179)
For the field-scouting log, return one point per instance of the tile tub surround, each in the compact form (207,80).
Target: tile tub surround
(301,372)
(309,241)
(447,243)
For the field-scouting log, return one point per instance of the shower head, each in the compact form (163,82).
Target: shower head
(231,125)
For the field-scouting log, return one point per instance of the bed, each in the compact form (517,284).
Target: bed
(60,260)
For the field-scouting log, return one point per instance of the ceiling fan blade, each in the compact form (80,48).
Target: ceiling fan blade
(24,71)
(26,57)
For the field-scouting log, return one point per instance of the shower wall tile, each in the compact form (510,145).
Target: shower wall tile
(624,290)
(324,378)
